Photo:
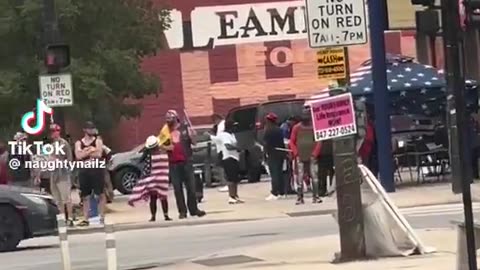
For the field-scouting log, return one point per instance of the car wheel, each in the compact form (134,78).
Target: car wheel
(126,179)
(11,228)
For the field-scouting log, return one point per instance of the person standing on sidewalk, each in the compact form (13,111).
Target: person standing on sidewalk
(22,176)
(325,166)
(60,178)
(181,168)
(287,126)
(230,161)
(219,127)
(273,141)
(153,185)
(305,152)
(92,180)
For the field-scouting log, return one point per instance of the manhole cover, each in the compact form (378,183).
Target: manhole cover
(228,260)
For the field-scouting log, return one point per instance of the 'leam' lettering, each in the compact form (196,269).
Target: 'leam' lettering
(233,27)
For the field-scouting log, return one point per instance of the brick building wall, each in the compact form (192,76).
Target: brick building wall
(203,82)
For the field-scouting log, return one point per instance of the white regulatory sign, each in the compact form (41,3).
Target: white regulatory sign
(56,90)
(336,22)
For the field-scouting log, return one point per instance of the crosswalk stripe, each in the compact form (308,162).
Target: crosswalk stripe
(437,209)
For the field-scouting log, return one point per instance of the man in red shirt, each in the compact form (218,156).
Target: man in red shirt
(305,152)
(181,167)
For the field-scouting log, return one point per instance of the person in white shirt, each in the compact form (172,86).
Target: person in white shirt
(219,127)
(230,161)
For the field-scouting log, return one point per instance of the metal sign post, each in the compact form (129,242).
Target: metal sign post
(456,117)
(342,23)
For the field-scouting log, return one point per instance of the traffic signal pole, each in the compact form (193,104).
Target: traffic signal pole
(52,36)
(383,133)
(456,116)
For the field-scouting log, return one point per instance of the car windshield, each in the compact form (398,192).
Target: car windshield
(283,109)
(138,148)
(201,136)
(245,117)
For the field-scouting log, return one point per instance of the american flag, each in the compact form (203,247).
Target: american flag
(154,178)
(413,88)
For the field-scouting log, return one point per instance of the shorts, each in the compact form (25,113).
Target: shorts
(232,170)
(61,187)
(91,181)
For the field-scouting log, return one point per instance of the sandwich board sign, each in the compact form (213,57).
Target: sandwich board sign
(56,90)
(336,23)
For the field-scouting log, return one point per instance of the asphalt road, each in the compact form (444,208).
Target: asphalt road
(156,247)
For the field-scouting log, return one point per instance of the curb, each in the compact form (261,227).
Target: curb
(197,222)
(142,226)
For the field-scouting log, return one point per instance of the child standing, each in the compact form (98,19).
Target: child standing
(153,184)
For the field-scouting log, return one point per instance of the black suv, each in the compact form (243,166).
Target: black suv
(250,122)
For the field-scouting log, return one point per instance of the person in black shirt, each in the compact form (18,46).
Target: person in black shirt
(273,141)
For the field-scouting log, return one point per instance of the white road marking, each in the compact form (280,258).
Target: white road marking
(435,210)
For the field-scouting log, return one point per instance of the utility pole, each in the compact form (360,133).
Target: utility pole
(457,115)
(349,195)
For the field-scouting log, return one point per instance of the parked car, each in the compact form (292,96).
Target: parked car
(249,133)
(24,214)
(125,168)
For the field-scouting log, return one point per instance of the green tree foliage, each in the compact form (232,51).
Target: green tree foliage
(108,40)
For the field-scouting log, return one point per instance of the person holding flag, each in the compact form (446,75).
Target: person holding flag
(180,136)
(153,184)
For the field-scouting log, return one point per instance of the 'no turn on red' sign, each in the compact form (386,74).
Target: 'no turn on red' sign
(336,22)
(56,90)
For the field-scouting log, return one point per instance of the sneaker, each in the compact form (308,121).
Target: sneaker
(223,189)
(300,201)
(182,216)
(152,219)
(232,200)
(316,200)
(239,200)
(200,213)
(271,197)
(70,223)
(84,223)
(167,218)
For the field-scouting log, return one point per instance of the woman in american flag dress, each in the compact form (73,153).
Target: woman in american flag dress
(153,184)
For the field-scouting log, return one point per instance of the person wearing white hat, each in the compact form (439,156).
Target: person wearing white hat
(154,181)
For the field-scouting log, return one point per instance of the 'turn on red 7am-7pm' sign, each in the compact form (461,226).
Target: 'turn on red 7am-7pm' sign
(333,117)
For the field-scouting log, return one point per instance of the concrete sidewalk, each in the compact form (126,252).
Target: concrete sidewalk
(317,253)
(218,210)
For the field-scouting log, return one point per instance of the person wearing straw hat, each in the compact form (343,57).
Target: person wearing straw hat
(153,184)
(179,135)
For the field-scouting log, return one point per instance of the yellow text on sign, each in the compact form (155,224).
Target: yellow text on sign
(331,63)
